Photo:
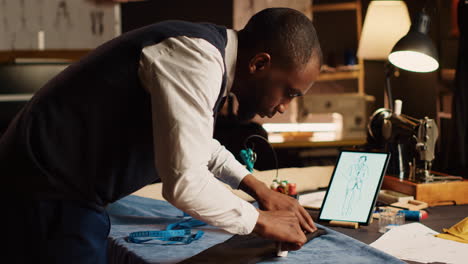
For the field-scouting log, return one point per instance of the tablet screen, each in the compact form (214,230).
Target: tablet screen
(354,186)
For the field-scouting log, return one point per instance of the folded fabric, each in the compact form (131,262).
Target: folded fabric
(458,232)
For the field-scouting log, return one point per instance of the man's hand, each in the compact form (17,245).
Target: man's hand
(281,226)
(274,201)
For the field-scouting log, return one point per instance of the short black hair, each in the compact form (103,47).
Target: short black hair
(284,33)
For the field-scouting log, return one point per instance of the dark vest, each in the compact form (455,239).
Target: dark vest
(87,134)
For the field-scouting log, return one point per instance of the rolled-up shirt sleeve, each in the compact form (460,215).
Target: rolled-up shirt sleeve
(184,76)
(224,166)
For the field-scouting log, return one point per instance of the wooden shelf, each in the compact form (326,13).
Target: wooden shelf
(335,7)
(336,76)
(353,6)
(70,55)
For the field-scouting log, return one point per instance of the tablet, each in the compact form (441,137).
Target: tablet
(354,187)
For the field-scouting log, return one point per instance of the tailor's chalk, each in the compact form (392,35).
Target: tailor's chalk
(279,252)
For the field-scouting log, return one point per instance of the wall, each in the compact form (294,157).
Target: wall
(230,13)
(138,14)
(67,24)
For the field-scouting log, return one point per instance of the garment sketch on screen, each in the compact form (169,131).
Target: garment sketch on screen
(358,173)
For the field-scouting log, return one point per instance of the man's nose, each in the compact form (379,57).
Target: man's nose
(282,108)
(284,105)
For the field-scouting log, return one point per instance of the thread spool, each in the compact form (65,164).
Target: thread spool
(292,190)
(397,107)
(274,185)
(414,215)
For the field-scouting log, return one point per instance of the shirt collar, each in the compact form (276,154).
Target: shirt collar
(230,58)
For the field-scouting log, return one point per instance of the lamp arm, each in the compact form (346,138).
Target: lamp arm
(389,71)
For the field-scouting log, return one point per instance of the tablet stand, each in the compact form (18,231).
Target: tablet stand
(344,224)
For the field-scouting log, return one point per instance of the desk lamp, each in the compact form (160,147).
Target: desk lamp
(413,52)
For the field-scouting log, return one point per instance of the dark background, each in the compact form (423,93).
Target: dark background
(423,94)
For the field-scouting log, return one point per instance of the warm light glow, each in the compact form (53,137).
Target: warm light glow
(413,61)
(311,130)
(386,22)
(300,127)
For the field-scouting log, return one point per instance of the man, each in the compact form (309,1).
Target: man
(139,109)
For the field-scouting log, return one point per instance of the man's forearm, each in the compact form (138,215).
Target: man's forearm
(253,187)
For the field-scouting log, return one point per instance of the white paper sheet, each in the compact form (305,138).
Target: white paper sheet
(416,242)
(312,200)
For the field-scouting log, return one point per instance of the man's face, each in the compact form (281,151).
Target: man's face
(269,89)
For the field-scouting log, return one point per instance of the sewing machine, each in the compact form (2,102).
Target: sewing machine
(353,109)
(411,142)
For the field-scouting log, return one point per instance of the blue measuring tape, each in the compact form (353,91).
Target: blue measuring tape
(177,233)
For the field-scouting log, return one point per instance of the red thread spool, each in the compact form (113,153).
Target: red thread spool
(292,189)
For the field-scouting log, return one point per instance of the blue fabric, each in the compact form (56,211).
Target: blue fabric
(135,213)
(334,248)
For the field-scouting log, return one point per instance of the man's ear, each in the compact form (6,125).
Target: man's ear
(260,62)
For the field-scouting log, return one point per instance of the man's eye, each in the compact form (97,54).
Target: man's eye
(294,94)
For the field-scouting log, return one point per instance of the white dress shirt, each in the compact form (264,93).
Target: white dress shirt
(184,76)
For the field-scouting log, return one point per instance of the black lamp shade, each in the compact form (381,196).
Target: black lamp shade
(415,51)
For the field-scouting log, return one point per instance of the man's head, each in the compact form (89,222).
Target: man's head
(279,58)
